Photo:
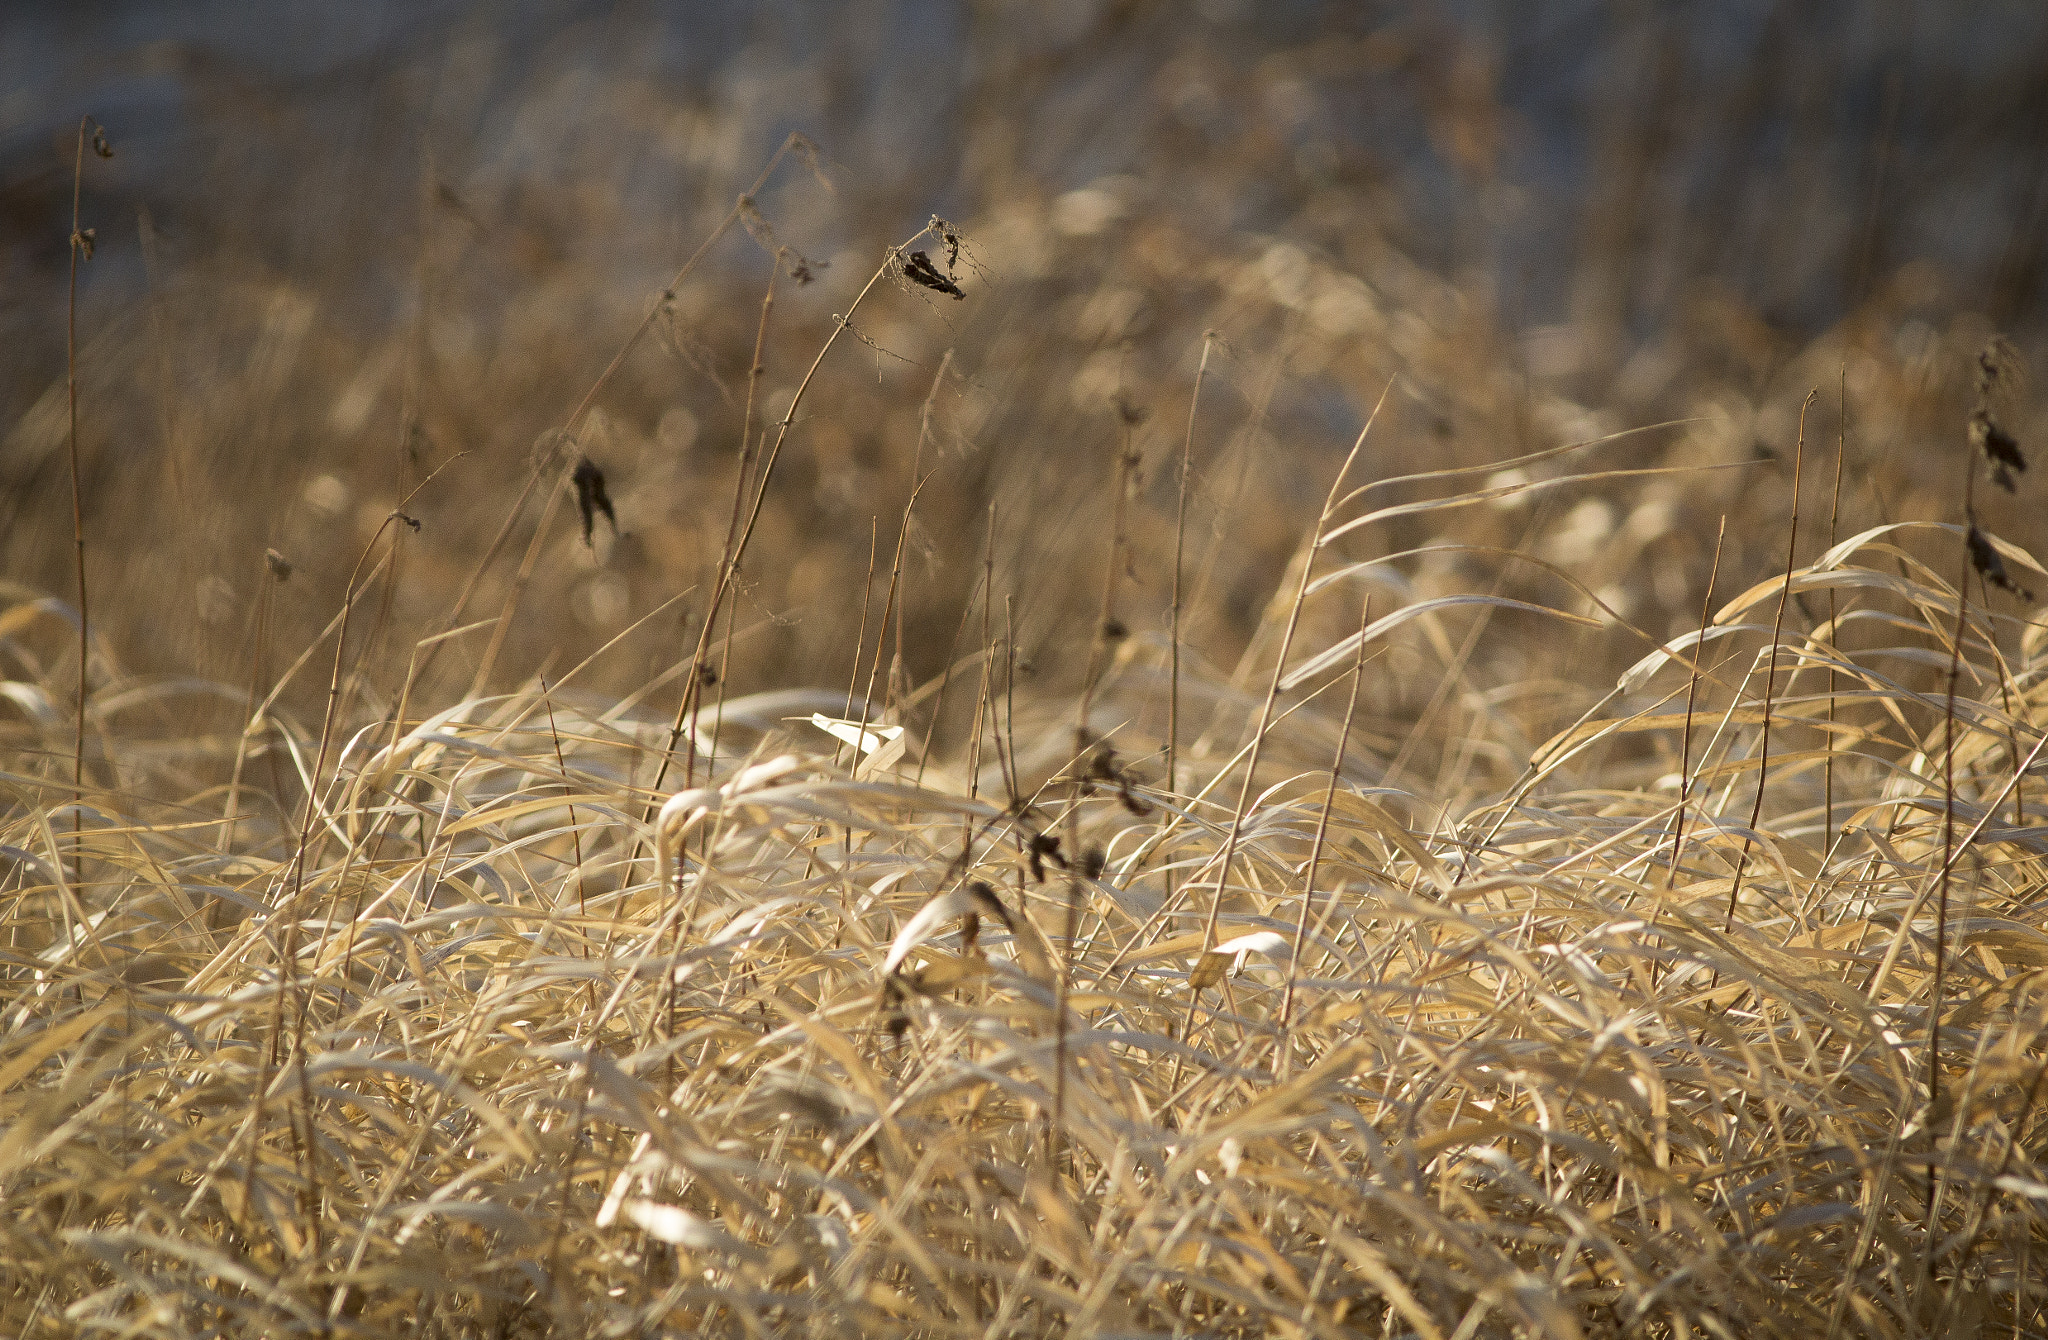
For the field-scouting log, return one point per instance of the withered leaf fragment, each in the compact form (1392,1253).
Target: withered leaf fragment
(919,269)
(1990,565)
(1999,448)
(591,497)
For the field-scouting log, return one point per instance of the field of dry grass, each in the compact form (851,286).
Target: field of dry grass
(1065,774)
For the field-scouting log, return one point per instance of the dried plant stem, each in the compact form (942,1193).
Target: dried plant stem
(575,421)
(1692,691)
(1105,636)
(575,826)
(1948,850)
(1251,770)
(1763,774)
(892,602)
(841,323)
(1315,851)
(860,637)
(1834,520)
(1180,531)
(742,475)
(291,888)
(80,245)
(503,626)
(982,701)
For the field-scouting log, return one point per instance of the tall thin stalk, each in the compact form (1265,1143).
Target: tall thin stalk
(1763,773)
(1948,843)
(1180,531)
(1080,768)
(82,240)
(1315,851)
(1251,769)
(1834,519)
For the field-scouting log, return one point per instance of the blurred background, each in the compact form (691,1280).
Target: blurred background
(339,245)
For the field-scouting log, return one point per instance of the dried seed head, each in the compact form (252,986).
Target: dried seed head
(100,145)
(918,269)
(889,1004)
(1990,564)
(986,902)
(1999,448)
(280,566)
(2000,371)
(591,497)
(806,152)
(1042,847)
(1093,862)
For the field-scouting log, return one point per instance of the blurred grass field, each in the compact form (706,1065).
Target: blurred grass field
(1557,634)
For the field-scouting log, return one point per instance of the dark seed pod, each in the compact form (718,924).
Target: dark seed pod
(591,497)
(1990,564)
(918,268)
(1043,847)
(986,901)
(2000,449)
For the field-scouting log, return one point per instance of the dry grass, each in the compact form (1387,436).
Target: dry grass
(443,1055)
(808,898)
